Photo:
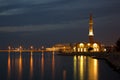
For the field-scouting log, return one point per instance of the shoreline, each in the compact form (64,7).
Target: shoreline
(112,59)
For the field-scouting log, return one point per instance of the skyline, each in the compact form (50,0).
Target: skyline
(47,22)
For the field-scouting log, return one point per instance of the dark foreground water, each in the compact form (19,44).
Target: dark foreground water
(49,66)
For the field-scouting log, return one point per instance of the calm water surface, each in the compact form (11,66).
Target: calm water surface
(50,66)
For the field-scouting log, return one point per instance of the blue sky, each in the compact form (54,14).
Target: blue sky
(46,22)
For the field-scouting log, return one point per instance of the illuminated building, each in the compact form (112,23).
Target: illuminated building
(91,34)
(60,47)
(92,45)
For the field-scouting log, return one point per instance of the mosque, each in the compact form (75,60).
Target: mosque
(90,46)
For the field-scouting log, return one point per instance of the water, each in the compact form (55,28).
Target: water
(50,66)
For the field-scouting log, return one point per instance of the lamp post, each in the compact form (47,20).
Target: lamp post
(31,47)
(9,48)
(20,48)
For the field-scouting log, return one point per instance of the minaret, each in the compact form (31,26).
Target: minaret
(91,35)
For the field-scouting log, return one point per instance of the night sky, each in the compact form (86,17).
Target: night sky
(47,22)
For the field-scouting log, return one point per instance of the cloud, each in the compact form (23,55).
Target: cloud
(47,27)
(13,11)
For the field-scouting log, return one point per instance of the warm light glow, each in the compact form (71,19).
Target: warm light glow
(81,68)
(53,66)
(20,47)
(88,44)
(74,49)
(64,48)
(64,74)
(85,50)
(97,49)
(105,50)
(20,66)
(31,47)
(93,69)
(81,49)
(91,33)
(31,65)
(9,65)
(95,45)
(81,45)
(9,47)
(42,67)
(78,49)
(75,67)
(91,23)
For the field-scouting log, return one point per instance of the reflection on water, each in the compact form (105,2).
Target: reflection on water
(9,65)
(49,66)
(42,67)
(53,66)
(75,67)
(80,68)
(31,65)
(20,66)
(64,74)
(93,69)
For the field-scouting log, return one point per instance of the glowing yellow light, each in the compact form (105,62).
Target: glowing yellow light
(75,67)
(88,44)
(105,50)
(81,67)
(85,50)
(78,49)
(53,66)
(95,69)
(91,33)
(95,45)
(31,65)
(74,49)
(81,49)
(31,47)
(97,49)
(81,45)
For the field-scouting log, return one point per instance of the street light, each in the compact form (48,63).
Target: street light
(9,47)
(31,47)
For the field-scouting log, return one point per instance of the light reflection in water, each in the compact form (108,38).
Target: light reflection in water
(9,65)
(53,66)
(75,67)
(93,69)
(80,68)
(64,74)
(31,65)
(42,67)
(20,66)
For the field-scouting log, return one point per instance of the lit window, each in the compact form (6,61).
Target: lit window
(91,34)
(88,44)
(81,45)
(78,49)
(81,49)
(95,45)
(85,50)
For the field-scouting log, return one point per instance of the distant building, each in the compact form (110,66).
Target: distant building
(92,45)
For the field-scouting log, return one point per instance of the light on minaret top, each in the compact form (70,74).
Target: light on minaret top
(91,26)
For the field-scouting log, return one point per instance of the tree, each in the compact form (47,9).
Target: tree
(118,45)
